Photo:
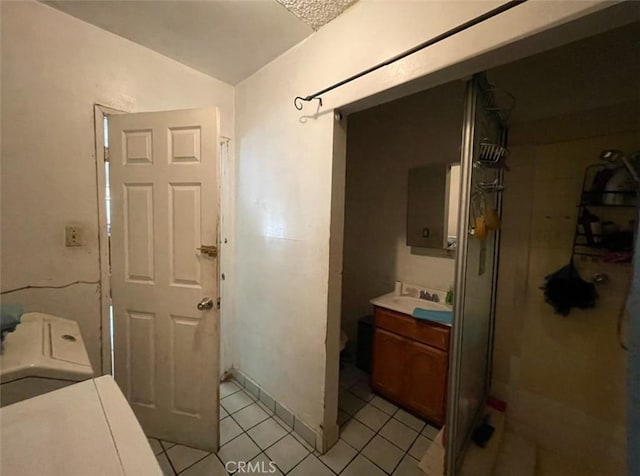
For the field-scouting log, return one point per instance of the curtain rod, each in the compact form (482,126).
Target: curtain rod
(297,102)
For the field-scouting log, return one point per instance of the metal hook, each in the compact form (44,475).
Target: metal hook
(297,102)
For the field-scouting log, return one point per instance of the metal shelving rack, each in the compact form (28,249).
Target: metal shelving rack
(593,199)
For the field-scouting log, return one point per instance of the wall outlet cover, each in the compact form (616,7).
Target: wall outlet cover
(73,235)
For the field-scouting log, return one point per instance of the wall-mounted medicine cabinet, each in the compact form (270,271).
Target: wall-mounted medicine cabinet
(432,206)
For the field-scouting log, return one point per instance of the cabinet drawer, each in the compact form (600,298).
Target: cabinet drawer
(423,331)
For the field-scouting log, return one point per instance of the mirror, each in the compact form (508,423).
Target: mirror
(432,206)
(452,206)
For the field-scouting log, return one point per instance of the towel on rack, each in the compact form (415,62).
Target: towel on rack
(441,317)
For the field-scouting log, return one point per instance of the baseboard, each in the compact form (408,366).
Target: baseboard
(315,439)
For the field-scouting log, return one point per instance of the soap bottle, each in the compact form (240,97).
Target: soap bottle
(449,299)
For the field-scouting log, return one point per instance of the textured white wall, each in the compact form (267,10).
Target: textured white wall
(54,68)
(284,164)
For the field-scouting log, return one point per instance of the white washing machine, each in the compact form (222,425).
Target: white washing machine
(83,429)
(44,353)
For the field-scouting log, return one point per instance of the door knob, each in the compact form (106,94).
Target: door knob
(205,304)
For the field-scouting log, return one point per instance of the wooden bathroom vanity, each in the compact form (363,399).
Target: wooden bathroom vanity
(410,363)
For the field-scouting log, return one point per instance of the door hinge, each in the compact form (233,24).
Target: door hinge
(106,154)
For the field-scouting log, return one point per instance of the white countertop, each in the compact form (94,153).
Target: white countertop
(407,304)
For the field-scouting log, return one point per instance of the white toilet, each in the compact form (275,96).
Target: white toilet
(44,353)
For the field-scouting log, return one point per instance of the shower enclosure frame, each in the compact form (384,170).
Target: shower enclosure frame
(456,441)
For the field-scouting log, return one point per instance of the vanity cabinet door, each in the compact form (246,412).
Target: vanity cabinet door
(389,353)
(427,380)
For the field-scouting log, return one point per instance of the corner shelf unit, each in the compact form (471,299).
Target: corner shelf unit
(617,206)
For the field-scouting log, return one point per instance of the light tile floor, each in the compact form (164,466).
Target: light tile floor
(376,438)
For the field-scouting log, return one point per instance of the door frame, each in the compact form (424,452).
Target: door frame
(99,111)
(584,25)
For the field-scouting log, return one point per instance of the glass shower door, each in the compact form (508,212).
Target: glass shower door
(476,265)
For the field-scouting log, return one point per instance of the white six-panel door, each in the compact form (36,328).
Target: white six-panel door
(164,207)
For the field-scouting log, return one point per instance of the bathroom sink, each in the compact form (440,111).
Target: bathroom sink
(407,304)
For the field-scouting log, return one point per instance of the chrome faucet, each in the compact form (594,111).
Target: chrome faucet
(429,297)
(425,295)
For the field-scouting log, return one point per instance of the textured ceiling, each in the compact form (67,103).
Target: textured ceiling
(316,13)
